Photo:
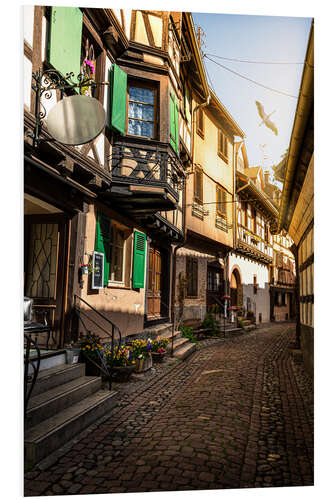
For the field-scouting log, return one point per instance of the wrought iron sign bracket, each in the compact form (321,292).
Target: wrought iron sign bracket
(46,81)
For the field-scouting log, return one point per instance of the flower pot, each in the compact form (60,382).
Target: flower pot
(122,373)
(142,365)
(158,357)
(72,355)
(91,369)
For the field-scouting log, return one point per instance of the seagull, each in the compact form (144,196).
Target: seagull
(265,118)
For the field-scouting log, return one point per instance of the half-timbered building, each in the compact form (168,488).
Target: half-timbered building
(250,261)
(202,261)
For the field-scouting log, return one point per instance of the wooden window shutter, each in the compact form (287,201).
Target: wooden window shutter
(64,51)
(173,122)
(103,241)
(139,260)
(198,185)
(118,93)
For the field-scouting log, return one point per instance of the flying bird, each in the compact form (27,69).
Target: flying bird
(265,118)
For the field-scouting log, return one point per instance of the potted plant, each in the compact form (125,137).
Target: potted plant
(141,350)
(121,363)
(92,352)
(158,350)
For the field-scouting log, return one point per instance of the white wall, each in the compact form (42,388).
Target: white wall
(260,302)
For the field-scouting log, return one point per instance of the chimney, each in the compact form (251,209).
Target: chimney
(266,177)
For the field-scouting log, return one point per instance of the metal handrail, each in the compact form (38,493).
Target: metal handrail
(103,365)
(35,365)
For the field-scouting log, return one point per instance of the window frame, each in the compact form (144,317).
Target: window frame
(198,170)
(191,285)
(145,85)
(200,127)
(223,212)
(222,145)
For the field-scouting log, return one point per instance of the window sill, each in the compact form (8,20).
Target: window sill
(114,284)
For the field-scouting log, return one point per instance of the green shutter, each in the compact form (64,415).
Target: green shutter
(65,39)
(139,260)
(118,92)
(103,242)
(187,106)
(173,122)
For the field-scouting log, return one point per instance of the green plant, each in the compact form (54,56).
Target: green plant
(187,332)
(240,322)
(211,323)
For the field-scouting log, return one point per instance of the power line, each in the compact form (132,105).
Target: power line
(249,79)
(254,62)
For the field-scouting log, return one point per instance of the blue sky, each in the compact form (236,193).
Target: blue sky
(257,38)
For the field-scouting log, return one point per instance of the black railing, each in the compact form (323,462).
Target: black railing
(154,165)
(30,379)
(104,364)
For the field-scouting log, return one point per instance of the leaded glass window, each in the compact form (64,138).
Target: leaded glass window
(141,111)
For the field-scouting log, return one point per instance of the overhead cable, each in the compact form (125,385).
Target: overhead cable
(249,79)
(254,62)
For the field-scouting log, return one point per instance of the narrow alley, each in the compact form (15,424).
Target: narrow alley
(238,413)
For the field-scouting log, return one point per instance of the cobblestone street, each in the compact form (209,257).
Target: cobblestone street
(237,414)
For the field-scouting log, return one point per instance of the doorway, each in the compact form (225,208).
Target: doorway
(157,284)
(236,289)
(45,270)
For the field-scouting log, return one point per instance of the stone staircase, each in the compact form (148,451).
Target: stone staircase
(232,330)
(63,403)
(182,347)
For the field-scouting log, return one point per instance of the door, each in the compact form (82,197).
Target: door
(154,291)
(45,270)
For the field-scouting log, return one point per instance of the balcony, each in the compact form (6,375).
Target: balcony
(254,246)
(146,177)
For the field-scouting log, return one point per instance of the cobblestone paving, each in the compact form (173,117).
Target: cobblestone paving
(238,413)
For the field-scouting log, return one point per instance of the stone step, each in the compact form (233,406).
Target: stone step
(158,331)
(41,440)
(48,403)
(178,342)
(49,359)
(57,375)
(184,351)
(233,332)
(168,335)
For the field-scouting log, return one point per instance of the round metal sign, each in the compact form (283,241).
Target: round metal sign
(76,120)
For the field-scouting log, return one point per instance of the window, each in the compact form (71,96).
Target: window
(141,111)
(221,202)
(255,284)
(117,255)
(192,277)
(198,179)
(254,220)
(222,145)
(200,123)
(113,241)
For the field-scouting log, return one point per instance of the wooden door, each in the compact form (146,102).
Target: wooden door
(154,290)
(45,270)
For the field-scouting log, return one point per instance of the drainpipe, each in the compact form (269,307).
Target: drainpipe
(174,277)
